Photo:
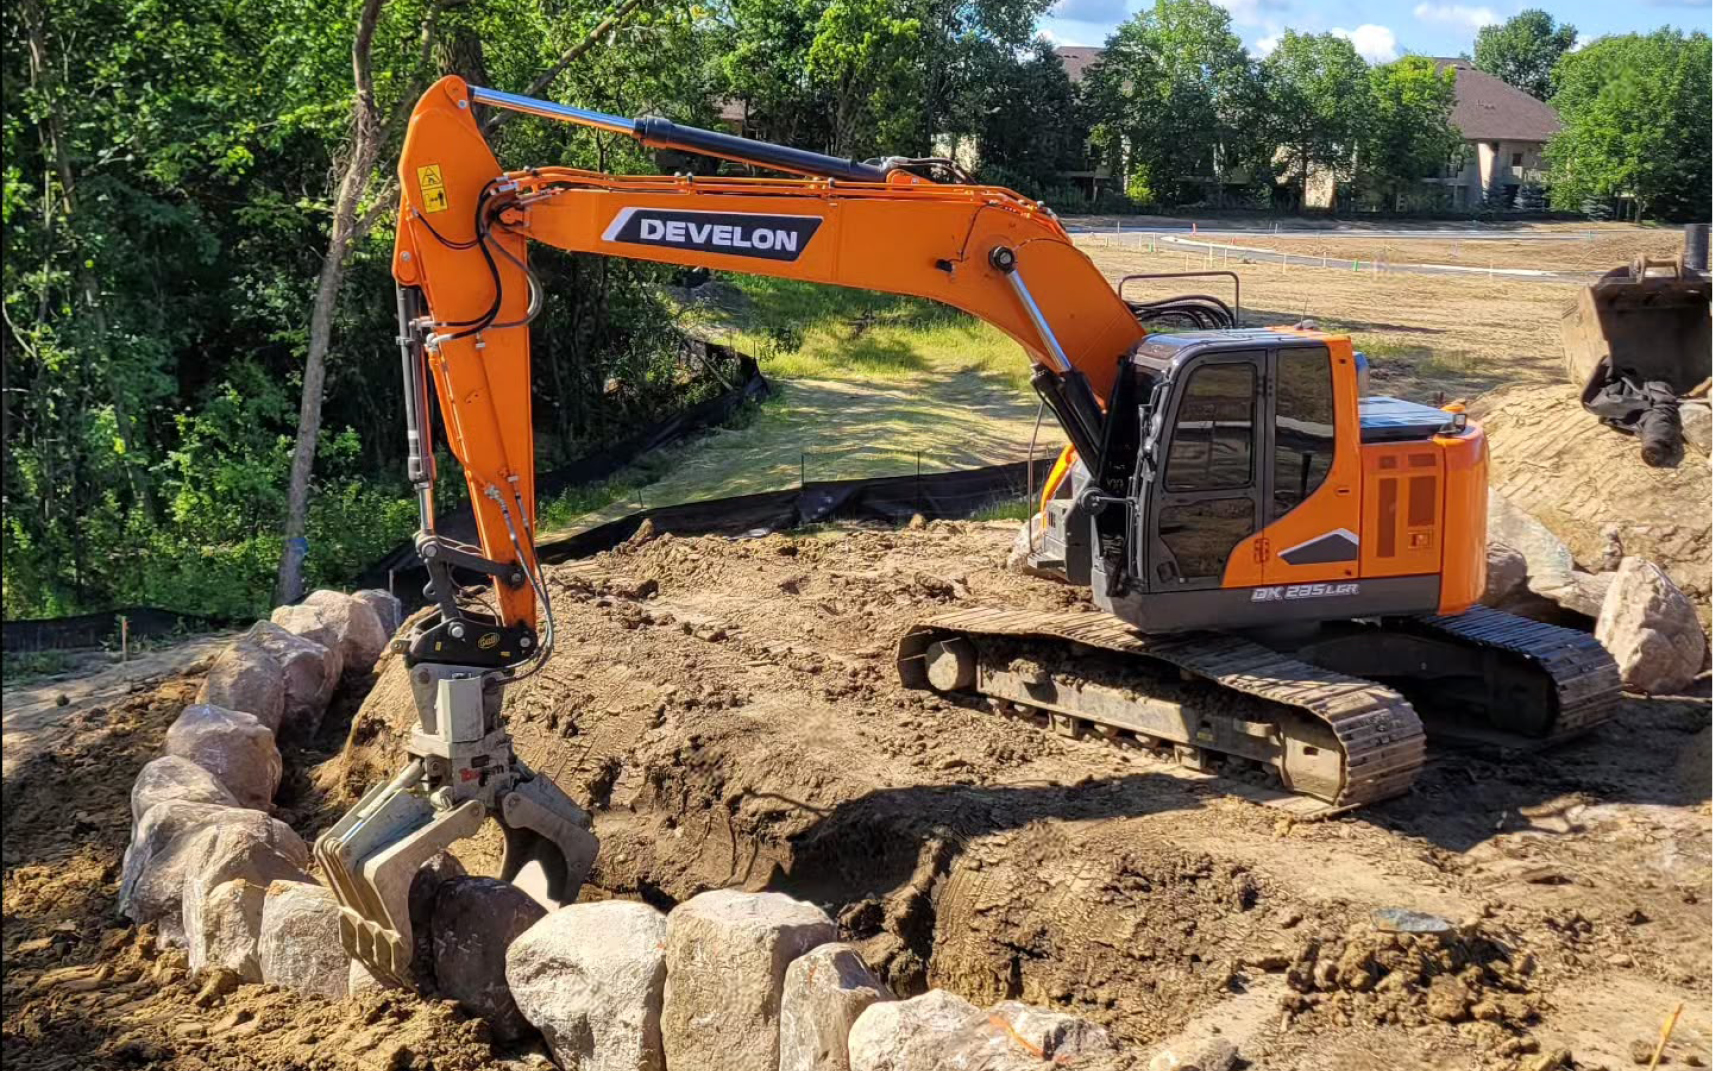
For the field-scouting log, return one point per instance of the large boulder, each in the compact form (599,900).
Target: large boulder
(310,670)
(475,922)
(910,1035)
(387,608)
(157,829)
(591,978)
(171,779)
(1012,1036)
(245,677)
(1549,560)
(362,637)
(298,946)
(222,924)
(1583,593)
(233,746)
(1651,629)
(236,844)
(726,955)
(826,989)
(439,868)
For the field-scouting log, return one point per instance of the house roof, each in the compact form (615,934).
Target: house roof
(1078,59)
(1490,109)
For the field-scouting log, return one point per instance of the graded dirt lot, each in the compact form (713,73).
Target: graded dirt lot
(731,712)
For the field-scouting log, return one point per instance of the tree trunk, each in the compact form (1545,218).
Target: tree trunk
(359,163)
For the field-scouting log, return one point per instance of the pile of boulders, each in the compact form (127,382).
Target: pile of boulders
(754,982)
(1641,617)
(207,864)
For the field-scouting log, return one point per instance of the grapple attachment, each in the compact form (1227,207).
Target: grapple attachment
(461,771)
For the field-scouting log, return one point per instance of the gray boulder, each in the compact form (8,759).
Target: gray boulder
(171,779)
(387,608)
(591,978)
(910,1035)
(236,844)
(222,924)
(233,746)
(1651,629)
(475,922)
(1583,593)
(362,638)
(1547,556)
(298,946)
(826,990)
(726,955)
(156,831)
(424,887)
(245,677)
(311,673)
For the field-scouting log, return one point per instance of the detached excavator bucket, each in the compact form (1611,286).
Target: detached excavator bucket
(1647,323)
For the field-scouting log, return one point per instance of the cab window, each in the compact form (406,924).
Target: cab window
(1302,427)
(1213,445)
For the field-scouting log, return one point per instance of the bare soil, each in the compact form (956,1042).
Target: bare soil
(730,712)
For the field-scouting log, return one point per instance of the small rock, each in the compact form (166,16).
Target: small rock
(826,990)
(909,1035)
(475,921)
(246,677)
(1553,1060)
(299,942)
(174,779)
(1621,959)
(1447,999)
(222,926)
(918,522)
(232,745)
(1013,1034)
(591,978)
(310,673)
(1507,570)
(219,982)
(1651,629)
(1642,1051)
(726,956)
(1402,920)
(388,609)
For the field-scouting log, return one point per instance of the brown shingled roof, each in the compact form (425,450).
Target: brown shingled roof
(1078,59)
(1490,109)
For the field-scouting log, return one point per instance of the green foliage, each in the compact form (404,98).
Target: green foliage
(1176,102)
(1409,135)
(1524,49)
(1031,128)
(1635,124)
(1319,104)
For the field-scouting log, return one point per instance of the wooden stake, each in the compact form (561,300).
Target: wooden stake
(1665,1036)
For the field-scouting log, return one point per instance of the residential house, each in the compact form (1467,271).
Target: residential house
(1504,131)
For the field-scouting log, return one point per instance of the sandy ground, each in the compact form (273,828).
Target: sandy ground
(731,712)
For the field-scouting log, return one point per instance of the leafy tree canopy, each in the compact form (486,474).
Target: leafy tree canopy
(1409,135)
(1524,49)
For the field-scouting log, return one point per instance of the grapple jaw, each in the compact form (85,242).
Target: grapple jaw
(462,770)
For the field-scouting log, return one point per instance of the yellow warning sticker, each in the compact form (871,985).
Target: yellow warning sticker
(433,188)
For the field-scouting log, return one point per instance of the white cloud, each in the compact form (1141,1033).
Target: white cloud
(1457,15)
(1264,46)
(1376,44)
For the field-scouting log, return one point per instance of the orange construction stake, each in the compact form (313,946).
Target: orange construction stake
(1665,1036)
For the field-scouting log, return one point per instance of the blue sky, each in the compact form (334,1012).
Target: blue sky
(1384,31)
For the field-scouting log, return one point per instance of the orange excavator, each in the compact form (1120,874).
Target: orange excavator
(1285,569)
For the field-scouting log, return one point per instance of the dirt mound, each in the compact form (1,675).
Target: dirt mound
(1553,459)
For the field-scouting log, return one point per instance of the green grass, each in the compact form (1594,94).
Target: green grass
(24,666)
(1015,508)
(810,331)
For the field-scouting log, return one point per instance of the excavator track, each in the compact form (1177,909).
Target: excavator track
(1582,679)
(1334,738)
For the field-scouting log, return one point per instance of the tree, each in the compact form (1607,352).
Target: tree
(1635,124)
(1409,135)
(1175,100)
(1523,50)
(1030,128)
(1318,105)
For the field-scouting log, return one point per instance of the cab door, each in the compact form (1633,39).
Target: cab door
(1208,499)
(1313,507)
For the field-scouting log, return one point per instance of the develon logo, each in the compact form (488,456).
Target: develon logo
(739,234)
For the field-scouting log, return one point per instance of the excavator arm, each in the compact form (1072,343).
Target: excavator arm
(466,296)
